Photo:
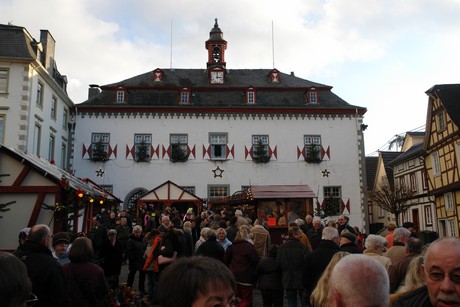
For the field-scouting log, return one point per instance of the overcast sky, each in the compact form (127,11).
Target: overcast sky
(378,54)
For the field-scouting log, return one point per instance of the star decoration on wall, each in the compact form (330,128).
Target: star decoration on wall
(100,173)
(218,172)
(326,173)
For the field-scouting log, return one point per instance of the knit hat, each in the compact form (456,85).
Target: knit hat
(61,237)
(24,233)
(348,235)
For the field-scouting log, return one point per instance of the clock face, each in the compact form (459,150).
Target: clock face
(217,77)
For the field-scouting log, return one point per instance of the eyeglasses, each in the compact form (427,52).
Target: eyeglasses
(439,276)
(32,300)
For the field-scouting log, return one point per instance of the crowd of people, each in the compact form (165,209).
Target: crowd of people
(217,259)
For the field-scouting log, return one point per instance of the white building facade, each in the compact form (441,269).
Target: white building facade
(217,131)
(34,105)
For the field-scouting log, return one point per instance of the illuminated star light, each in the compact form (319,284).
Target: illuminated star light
(326,173)
(218,172)
(100,173)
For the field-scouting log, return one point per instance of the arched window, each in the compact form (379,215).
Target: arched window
(131,198)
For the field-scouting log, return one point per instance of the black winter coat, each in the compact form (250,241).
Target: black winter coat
(268,274)
(211,248)
(112,257)
(416,298)
(314,237)
(47,276)
(290,259)
(135,249)
(316,262)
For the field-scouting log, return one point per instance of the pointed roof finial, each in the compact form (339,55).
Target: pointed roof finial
(216,25)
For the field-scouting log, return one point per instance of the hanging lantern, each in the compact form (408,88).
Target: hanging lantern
(80,193)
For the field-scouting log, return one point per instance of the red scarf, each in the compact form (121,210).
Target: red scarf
(156,241)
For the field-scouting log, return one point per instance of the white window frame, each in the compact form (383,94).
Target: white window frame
(51,147)
(140,138)
(310,141)
(191,189)
(37,139)
(216,191)
(64,155)
(2,128)
(218,143)
(265,144)
(185,96)
(103,137)
(436,163)
(53,107)
(120,96)
(449,201)
(441,121)
(428,215)
(40,88)
(413,182)
(4,80)
(65,118)
(451,229)
(251,96)
(313,97)
(335,192)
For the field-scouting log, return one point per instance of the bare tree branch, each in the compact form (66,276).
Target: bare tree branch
(394,200)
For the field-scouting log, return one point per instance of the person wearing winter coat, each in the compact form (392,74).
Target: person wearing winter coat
(211,248)
(135,248)
(269,280)
(242,258)
(111,254)
(87,284)
(45,273)
(290,259)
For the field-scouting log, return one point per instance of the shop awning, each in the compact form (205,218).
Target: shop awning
(281,191)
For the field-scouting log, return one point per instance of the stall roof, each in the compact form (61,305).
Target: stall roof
(169,191)
(52,171)
(281,191)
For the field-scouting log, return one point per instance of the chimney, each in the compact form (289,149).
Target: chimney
(93,90)
(48,44)
(292,74)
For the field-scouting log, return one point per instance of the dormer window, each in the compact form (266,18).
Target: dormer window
(185,96)
(158,75)
(251,95)
(275,76)
(312,96)
(120,95)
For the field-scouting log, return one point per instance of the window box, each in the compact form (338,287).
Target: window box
(100,152)
(313,154)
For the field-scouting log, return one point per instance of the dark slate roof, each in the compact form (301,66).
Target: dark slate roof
(387,157)
(411,153)
(450,98)
(416,133)
(371,169)
(16,43)
(291,91)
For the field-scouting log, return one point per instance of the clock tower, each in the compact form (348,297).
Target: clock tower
(216,46)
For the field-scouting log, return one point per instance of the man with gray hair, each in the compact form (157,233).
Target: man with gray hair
(46,274)
(358,281)
(398,250)
(441,269)
(316,262)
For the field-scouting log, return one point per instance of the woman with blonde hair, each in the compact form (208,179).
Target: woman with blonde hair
(319,296)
